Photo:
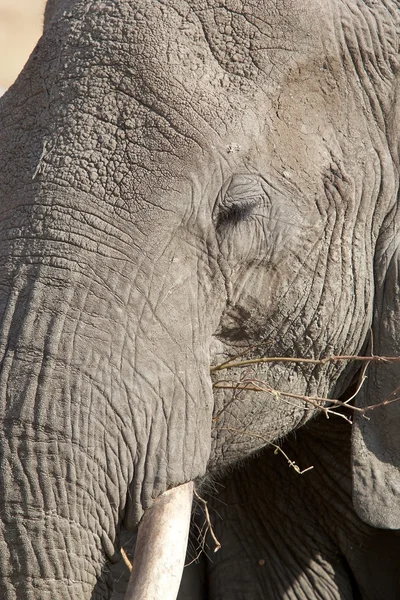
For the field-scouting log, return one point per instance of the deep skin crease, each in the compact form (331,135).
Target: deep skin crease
(182,182)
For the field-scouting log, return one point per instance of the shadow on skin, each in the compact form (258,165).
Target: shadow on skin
(285,534)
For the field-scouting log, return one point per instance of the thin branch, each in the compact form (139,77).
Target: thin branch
(363,378)
(310,361)
(384,403)
(126,560)
(208,520)
(201,546)
(291,463)
(226,364)
(254,386)
(235,396)
(278,449)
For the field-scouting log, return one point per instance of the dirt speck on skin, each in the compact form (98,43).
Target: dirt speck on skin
(20,28)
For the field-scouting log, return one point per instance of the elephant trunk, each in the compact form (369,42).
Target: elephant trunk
(161,546)
(93,426)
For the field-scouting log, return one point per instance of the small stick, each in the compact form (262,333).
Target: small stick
(311,361)
(254,387)
(277,448)
(291,462)
(208,520)
(126,560)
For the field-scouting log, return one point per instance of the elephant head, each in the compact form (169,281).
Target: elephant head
(182,182)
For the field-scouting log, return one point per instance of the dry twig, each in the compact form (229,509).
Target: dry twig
(278,449)
(231,364)
(208,521)
(201,547)
(126,560)
(256,385)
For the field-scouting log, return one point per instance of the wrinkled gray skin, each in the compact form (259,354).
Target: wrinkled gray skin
(179,181)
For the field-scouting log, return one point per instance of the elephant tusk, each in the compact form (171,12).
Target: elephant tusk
(161,547)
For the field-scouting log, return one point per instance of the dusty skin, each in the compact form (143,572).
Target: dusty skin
(186,184)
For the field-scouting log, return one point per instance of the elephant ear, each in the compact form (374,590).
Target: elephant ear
(376,434)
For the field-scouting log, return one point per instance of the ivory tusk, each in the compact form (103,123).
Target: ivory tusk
(161,547)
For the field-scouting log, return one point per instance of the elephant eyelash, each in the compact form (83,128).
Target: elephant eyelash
(235,213)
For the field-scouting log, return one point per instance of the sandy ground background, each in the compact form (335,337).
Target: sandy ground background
(20,27)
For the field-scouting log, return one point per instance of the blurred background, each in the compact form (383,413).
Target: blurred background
(20,28)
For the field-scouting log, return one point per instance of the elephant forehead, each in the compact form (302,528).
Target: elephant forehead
(179,63)
(242,38)
(247,38)
(145,94)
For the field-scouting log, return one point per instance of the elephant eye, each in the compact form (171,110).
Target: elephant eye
(238,199)
(235,213)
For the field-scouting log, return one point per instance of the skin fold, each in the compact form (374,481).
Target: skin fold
(183,183)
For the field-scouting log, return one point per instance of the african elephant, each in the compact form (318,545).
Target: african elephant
(185,183)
